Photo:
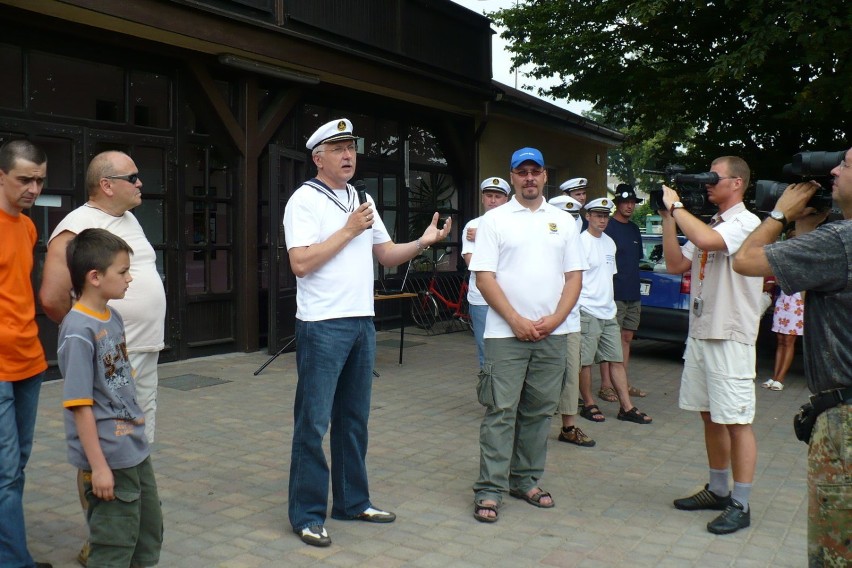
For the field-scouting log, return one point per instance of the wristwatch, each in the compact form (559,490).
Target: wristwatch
(675,205)
(778,216)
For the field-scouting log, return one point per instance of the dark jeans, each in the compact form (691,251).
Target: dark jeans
(335,365)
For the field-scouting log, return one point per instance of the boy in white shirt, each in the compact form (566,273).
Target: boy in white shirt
(600,330)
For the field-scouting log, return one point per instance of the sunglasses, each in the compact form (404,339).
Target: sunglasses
(131,178)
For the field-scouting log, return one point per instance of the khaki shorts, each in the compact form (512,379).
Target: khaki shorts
(571,387)
(628,314)
(718,377)
(601,340)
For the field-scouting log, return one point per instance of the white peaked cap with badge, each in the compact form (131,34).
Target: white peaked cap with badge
(566,203)
(495,184)
(333,131)
(574,183)
(601,205)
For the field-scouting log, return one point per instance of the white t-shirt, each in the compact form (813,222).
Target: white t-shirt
(597,298)
(343,286)
(143,307)
(731,301)
(529,252)
(474,296)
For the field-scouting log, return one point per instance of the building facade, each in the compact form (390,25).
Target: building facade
(214,100)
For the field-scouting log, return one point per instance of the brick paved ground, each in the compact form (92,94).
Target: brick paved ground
(222,465)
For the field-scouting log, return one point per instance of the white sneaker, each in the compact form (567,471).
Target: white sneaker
(776,386)
(767,384)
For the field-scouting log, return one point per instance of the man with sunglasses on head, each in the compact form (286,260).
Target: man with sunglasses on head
(114,188)
(818,261)
(719,361)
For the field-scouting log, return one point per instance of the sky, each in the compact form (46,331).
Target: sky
(502,60)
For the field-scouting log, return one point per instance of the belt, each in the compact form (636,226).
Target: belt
(831,398)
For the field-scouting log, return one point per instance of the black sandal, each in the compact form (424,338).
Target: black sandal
(479,506)
(592,413)
(633,415)
(535,498)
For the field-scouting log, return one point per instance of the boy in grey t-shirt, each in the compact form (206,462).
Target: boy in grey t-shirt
(104,425)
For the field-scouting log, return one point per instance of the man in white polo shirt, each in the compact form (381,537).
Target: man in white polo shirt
(529,271)
(495,192)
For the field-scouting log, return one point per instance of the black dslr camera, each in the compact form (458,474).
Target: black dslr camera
(805,166)
(691,189)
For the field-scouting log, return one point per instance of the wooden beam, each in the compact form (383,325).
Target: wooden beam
(269,123)
(220,106)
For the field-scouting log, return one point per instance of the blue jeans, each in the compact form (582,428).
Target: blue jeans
(18,407)
(477,320)
(334,360)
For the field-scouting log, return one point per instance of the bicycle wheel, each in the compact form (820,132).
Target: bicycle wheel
(464,314)
(424,310)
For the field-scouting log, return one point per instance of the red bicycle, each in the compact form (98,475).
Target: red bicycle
(435,303)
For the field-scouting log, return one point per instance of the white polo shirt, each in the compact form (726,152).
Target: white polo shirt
(529,252)
(343,286)
(597,298)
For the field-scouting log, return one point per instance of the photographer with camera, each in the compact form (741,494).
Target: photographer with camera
(719,361)
(818,261)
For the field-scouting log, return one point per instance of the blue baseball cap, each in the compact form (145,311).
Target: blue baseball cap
(526,155)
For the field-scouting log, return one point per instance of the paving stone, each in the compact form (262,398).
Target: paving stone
(222,465)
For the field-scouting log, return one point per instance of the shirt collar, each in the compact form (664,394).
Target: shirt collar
(731,212)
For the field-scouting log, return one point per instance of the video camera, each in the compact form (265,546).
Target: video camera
(805,166)
(691,189)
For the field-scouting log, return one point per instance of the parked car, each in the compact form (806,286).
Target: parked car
(665,297)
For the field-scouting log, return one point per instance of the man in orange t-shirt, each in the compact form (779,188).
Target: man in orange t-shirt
(23,167)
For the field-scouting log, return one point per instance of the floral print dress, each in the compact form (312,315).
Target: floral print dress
(789,314)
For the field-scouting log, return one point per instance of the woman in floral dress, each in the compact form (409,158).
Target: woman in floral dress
(788,324)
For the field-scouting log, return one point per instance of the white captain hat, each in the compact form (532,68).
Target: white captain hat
(333,131)
(566,203)
(601,205)
(574,184)
(495,184)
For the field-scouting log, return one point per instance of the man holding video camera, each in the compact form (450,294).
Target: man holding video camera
(719,361)
(819,262)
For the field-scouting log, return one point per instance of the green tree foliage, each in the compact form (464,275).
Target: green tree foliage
(762,79)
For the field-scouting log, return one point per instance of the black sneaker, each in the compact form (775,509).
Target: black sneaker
(576,436)
(315,536)
(732,519)
(704,499)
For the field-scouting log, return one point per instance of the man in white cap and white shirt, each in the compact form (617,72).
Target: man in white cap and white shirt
(331,240)
(571,205)
(568,406)
(575,188)
(495,192)
(601,339)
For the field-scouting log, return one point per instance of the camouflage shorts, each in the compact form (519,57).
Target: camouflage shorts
(830,489)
